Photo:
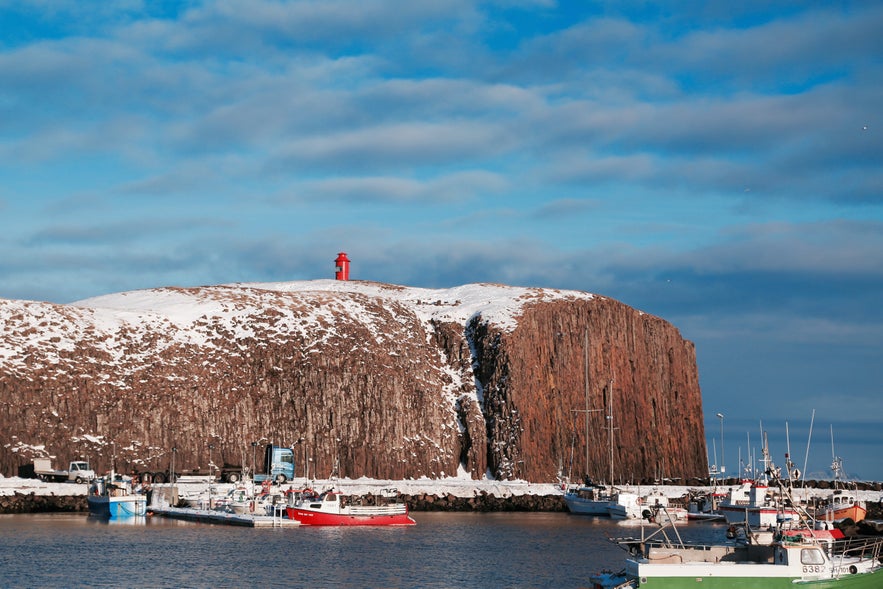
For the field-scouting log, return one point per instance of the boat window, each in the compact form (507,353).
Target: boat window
(811,556)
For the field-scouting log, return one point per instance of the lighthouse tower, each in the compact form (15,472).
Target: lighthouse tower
(342,267)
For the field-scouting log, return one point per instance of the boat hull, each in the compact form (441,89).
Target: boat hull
(581,506)
(854,512)
(756,517)
(718,579)
(308,517)
(121,507)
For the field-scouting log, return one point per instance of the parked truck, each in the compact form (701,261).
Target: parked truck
(278,467)
(78,471)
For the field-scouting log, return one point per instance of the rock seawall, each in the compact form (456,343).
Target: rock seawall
(31,503)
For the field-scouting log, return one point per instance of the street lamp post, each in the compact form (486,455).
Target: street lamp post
(722,468)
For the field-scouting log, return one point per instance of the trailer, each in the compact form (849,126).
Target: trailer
(278,467)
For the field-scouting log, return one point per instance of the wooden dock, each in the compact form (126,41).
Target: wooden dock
(208,516)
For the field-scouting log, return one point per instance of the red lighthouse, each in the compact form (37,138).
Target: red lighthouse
(342,267)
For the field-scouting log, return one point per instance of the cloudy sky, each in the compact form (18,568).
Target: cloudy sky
(716,163)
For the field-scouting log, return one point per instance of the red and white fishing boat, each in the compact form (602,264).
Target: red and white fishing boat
(330,509)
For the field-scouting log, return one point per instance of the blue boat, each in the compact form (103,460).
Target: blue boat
(113,498)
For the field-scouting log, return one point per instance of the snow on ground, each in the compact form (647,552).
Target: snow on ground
(456,486)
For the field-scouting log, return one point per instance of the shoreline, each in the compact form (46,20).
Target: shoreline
(19,495)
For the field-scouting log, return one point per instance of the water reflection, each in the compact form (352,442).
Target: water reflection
(443,550)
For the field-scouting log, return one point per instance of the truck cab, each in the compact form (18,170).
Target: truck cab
(278,465)
(80,472)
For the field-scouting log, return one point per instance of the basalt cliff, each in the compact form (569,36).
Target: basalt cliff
(361,378)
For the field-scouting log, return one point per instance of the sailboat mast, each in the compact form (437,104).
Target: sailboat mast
(586,384)
(610,426)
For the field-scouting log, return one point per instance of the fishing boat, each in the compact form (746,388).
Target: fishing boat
(790,560)
(702,506)
(653,506)
(331,509)
(113,497)
(788,556)
(754,503)
(842,502)
(588,499)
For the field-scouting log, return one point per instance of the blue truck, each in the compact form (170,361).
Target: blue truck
(278,465)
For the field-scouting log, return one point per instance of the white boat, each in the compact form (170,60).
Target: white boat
(754,503)
(653,506)
(588,499)
(780,559)
(703,507)
(789,561)
(113,497)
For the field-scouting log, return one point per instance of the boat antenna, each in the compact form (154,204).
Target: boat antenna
(750,467)
(808,439)
(789,466)
(836,461)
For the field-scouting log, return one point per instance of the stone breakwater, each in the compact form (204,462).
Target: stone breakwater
(484,502)
(33,503)
(481,502)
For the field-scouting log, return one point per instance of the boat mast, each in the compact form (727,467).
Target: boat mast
(610,426)
(586,385)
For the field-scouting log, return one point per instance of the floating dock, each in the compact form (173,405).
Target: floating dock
(210,516)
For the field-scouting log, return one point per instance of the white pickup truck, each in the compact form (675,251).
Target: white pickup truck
(78,471)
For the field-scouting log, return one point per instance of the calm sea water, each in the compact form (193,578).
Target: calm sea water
(444,550)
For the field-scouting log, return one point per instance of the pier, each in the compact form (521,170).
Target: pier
(210,516)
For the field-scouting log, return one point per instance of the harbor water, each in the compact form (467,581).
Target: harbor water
(444,550)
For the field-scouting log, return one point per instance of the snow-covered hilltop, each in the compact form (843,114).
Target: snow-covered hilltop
(373,379)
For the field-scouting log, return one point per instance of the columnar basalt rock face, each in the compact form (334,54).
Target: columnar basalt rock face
(362,378)
(558,370)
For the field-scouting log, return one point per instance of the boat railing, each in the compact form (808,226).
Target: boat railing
(859,547)
(395,508)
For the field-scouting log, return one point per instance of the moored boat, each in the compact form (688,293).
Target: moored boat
(113,497)
(787,561)
(331,509)
(653,506)
(588,499)
(843,502)
(754,503)
(778,558)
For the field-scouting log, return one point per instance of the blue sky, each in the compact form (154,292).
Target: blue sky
(717,164)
